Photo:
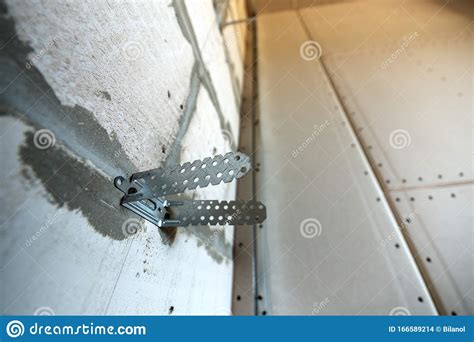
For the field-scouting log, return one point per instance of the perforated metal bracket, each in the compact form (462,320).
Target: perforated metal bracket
(144,193)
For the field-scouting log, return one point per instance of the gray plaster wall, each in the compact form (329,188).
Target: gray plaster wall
(90,90)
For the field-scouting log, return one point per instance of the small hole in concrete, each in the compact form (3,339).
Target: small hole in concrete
(397,245)
(404,180)
(397,199)
(420,299)
(240,244)
(239,298)
(440,176)
(453,313)
(430,197)
(259,297)
(461,174)
(428,259)
(169,94)
(378,199)
(132,191)
(412,199)
(380,164)
(170,310)
(420,179)
(181,107)
(264,313)
(453,195)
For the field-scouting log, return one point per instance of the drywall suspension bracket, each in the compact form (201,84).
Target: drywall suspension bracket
(145,191)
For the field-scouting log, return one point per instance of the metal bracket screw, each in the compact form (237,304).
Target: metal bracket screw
(144,193)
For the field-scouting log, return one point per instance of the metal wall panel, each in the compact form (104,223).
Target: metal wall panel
(441,227)
(404,73)
(330,244)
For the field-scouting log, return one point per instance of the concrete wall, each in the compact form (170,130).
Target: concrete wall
(90,90)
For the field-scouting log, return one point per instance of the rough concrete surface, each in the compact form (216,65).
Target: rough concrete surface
(88,91)
(125,74)
(210,41)
(235,36)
